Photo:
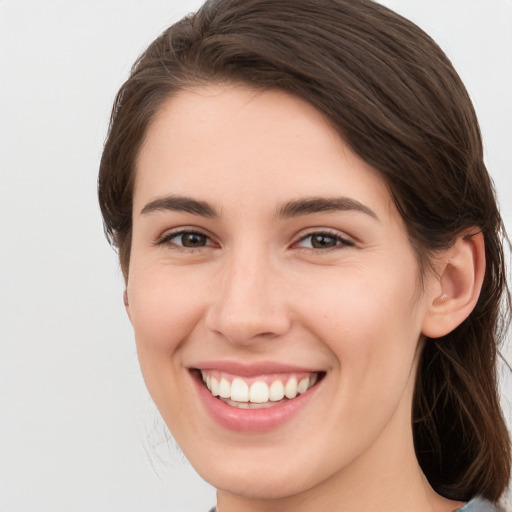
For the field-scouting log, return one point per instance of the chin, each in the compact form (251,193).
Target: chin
(263,483)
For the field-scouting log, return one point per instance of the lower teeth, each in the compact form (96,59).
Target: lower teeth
(250,405)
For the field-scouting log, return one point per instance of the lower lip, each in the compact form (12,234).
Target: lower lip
(251,420)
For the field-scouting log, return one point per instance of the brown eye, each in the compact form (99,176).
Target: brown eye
(188,239)
(192,239)
(323,241)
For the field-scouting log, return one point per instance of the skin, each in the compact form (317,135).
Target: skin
(258,291)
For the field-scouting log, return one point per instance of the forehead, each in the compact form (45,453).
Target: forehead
(230,142)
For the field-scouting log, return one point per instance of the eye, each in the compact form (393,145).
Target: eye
(187,239)
(323,240)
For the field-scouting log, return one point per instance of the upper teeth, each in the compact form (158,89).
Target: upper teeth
(259,390)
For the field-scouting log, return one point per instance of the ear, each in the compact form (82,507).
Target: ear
(456,287)
(126,304)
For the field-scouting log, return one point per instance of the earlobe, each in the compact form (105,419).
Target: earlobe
(461,271)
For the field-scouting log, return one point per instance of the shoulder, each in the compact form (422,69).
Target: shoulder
(480,505)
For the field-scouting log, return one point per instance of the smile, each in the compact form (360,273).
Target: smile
(257,392)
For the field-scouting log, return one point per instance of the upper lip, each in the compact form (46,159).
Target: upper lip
(252,369)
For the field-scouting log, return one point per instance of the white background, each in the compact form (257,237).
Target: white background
(78,432)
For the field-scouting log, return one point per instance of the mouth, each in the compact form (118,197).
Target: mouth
(258,392)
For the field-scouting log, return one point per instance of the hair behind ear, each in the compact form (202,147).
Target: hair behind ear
(461,438)
(459,431)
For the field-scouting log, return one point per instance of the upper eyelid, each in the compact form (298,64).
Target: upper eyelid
(325,231)
(171,233)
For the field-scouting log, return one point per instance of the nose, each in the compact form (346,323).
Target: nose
(248,304)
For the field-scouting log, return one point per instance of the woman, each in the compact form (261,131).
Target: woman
(313,260)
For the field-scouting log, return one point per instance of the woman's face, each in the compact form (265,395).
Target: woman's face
(268,259)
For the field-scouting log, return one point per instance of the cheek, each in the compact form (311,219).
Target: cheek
(164,307)
(164,311)
(371,323)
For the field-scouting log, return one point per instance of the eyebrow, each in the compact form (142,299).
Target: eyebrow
(181,204)
(293,208)
(311,205)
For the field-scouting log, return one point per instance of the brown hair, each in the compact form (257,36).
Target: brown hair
(396,99)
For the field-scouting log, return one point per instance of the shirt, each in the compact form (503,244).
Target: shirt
(475,505)
(479,505)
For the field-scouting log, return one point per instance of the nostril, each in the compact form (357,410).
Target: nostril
(247,327)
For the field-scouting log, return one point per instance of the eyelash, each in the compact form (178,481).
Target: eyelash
(166,240)
(340,241)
